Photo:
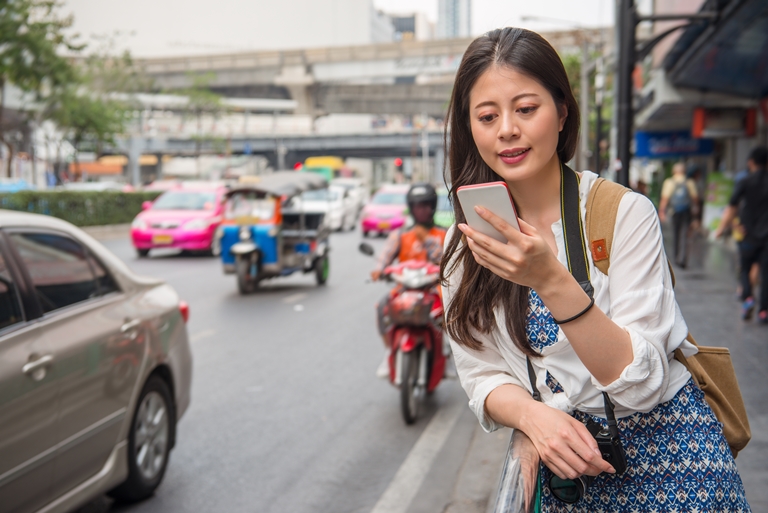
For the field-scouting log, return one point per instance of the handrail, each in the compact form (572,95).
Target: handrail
(517,485)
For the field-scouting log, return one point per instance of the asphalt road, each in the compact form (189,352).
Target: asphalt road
(287,414)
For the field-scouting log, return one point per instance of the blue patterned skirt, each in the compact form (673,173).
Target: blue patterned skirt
(677,461)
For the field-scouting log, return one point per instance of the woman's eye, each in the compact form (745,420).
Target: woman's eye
(527,110)
(486,119)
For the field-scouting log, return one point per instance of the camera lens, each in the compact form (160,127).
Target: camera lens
(569,490)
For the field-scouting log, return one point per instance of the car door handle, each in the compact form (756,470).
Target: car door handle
(42,362)
(128,326)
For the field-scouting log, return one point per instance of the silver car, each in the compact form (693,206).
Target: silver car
(95,370)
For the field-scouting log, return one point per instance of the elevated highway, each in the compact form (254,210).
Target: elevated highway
(409,77)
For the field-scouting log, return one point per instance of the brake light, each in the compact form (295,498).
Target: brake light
(184,310)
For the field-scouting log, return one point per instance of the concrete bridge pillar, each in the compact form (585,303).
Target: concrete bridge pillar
(300,83)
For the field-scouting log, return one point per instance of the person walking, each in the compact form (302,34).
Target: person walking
(679,194)
(540,352)
(750,201)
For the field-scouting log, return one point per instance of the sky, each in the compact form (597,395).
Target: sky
(151,28)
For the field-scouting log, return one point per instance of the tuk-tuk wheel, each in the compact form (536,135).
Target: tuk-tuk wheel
(321,270)
(245,284)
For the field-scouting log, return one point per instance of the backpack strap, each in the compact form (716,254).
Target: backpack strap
(602,207)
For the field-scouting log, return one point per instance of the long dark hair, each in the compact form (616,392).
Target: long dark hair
(480,291)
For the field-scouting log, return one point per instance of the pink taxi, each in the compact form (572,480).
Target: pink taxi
(185,218)
(386,211)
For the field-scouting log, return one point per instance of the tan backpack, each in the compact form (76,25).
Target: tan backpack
(711,367)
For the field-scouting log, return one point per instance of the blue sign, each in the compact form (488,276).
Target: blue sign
(247,149)
(664,145)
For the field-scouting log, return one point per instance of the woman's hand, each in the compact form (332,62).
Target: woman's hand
(563,443)
(526,258)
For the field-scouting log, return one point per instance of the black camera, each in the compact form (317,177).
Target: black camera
(609,444)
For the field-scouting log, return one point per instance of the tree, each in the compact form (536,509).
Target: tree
(32,40)
(91,110)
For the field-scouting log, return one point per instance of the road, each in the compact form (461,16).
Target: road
(287,414)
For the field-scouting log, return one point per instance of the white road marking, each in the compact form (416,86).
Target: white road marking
(298,308)
(401,491)
(201,335)
(293,298)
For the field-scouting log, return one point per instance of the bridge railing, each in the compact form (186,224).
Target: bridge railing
(518,485)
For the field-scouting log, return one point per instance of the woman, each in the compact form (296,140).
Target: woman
(513,117)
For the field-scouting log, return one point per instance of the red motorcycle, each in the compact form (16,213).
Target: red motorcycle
(415,316)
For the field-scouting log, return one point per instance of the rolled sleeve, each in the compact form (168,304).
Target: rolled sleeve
(480,373)
(643,304)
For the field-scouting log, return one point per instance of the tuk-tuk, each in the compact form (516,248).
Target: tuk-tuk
(263,235)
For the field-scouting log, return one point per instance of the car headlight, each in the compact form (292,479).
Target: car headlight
(245,233)
(196,224)
(139,224)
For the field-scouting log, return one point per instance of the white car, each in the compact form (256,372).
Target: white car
(95,370)
(336,203)
(356,189)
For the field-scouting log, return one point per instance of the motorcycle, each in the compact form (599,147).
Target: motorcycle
(417,357)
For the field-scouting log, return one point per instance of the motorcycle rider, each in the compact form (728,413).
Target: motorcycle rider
(423,241)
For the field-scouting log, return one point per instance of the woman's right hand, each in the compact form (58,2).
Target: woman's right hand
(564,444)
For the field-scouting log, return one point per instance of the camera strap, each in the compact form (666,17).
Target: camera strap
(576,251)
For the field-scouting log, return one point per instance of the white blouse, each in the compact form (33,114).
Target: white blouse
(638,297)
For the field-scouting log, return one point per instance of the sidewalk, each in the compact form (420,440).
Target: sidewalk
(706,294)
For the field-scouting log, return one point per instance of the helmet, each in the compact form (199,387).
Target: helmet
(421,193)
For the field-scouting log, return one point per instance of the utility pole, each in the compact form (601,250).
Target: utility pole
(626,65)
(584,105)
(599,85)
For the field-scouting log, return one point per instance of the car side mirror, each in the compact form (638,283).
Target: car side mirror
(146,205)
(366,249)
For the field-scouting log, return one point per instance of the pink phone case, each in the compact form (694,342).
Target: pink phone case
(493,196)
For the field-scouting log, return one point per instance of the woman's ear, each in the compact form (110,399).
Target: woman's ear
(563,116)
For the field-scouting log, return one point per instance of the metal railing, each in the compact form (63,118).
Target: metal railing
(517,491)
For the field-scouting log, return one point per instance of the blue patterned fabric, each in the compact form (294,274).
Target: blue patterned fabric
(677,461)
(540,326)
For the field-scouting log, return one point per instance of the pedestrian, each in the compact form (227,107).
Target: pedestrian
(750,201)
(513,117)
(679,194)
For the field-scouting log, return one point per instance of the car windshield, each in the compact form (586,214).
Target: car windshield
(185,200)
(389,198)
(250,205)
(443,203)
(320,195)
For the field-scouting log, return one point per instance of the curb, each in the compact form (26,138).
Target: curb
(108,232)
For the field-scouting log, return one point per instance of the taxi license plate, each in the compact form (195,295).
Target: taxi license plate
(162,239)
(384,226)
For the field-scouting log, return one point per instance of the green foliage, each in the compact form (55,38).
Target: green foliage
(89,208)
(31,39)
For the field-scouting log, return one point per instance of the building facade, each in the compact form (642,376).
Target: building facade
(454,18)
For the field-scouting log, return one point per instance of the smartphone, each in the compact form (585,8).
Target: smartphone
(493,196)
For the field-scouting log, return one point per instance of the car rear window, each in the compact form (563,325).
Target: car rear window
(62,271)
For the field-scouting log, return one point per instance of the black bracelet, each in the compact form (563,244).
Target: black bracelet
(569,319)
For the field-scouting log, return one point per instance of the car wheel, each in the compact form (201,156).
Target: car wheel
(149,442)
(142,253)
(365,234)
